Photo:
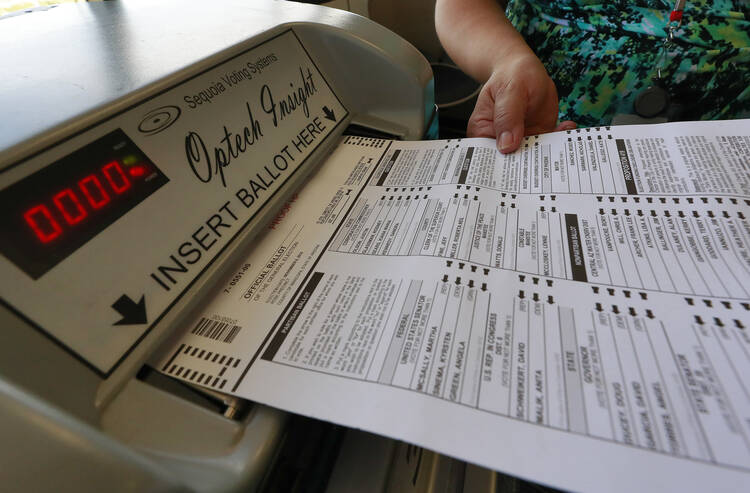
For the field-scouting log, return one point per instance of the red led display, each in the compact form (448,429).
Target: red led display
(118,176)
(52,212)
(94,192)
(40,220)
(91,193)
(64,206)
(137,171)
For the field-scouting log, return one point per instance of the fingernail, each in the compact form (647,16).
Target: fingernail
(506,140)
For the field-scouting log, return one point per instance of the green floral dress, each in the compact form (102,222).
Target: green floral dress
(601,55)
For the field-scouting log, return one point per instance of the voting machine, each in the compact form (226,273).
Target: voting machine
(142,147)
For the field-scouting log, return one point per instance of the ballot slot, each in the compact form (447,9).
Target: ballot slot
(365,131)
(226,405)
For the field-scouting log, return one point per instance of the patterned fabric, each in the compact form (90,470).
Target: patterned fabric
(601,55)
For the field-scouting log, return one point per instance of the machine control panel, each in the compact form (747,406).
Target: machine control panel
(105,231)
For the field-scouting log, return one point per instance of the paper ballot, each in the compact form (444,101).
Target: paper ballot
(576,313)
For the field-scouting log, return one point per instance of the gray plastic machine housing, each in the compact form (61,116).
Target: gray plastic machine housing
(68,425)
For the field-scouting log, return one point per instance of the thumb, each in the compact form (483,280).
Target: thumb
(508,119)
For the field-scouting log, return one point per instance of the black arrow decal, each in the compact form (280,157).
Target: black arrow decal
(329,113)
(132,313)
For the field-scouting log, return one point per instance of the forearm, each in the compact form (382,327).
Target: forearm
(477,35)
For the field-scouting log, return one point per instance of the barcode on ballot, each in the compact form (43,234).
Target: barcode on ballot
(216,330)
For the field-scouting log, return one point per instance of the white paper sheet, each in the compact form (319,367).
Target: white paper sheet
(576,313)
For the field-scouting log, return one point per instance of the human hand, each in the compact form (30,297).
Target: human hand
(518,99)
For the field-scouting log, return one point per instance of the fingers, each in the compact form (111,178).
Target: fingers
(499,113)
(516,102)
(480,121)
(543,129)
(508,117)
(566,125)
